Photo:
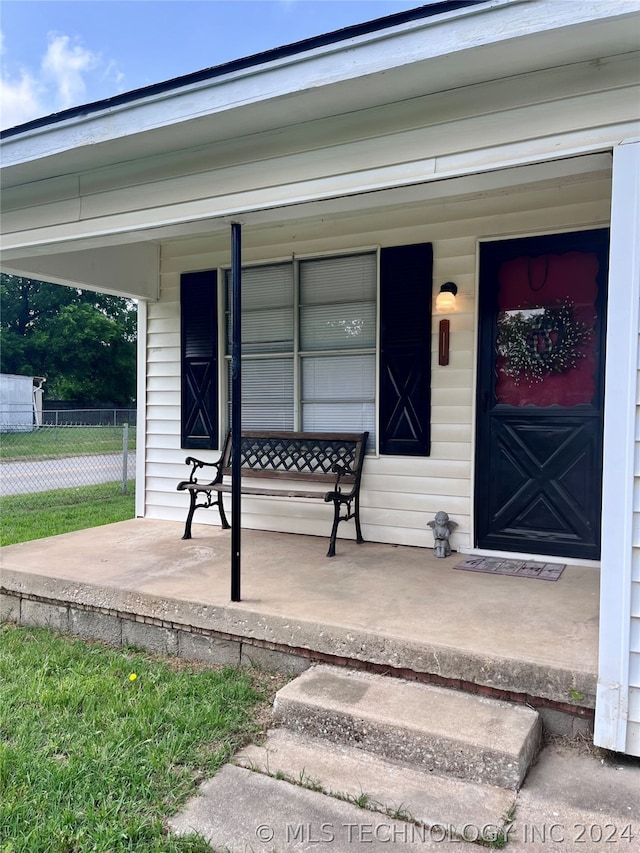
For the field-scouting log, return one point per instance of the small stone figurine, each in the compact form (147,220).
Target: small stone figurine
(442,528)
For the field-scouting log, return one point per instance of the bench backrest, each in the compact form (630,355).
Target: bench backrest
(298,455)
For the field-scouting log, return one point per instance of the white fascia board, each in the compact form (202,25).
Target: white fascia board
(445,50)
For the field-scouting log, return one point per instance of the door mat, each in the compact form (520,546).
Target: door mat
(517,568)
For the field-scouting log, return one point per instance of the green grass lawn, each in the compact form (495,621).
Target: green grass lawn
(48,442)
(99,746)
(34,516)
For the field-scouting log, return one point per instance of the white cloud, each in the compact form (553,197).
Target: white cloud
(19,99)
(60,81)
(112,72)
(18,94)
(63,67)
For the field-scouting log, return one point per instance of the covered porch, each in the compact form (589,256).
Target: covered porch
(393,609)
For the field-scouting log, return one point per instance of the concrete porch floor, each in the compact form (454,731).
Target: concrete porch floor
(395,607)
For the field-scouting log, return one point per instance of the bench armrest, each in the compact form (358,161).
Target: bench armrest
(340,470)
(196,464)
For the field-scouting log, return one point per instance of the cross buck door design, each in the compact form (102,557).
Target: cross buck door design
(541,393)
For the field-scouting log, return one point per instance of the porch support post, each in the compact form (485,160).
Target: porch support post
(616,570)
(236,403)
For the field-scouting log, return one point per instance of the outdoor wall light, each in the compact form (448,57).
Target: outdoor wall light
(445,303)
(446,299)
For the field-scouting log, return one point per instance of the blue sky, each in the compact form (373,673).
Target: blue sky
(61,53)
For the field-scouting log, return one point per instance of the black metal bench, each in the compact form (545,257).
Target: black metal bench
(314,457)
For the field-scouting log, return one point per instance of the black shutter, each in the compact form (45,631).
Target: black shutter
(405,350)
(199,356)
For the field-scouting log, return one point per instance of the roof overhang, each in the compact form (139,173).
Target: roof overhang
(457,47)
(474,43)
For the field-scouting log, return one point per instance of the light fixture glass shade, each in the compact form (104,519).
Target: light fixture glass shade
(446,298)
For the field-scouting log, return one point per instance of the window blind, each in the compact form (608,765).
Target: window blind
(267,309)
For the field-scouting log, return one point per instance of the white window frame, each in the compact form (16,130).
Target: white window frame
(296,353)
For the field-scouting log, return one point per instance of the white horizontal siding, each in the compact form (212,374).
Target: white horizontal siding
(634,705)
(399,495)
(405,467)
(165,339)
(462,433)
(634,641)
(633,724)
(169,409)
(450,451)
(452,378)
(633,739)
(635,589)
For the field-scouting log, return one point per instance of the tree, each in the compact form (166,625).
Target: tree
(83,343)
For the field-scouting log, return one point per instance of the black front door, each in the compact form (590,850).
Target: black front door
(541,393)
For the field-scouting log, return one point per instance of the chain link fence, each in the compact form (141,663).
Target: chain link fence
(88,417)
(69,454)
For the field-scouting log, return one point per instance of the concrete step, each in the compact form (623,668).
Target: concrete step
(239,811)
(442,731)
(570,801)
(378,784)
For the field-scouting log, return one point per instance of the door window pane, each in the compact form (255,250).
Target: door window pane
(546,330)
